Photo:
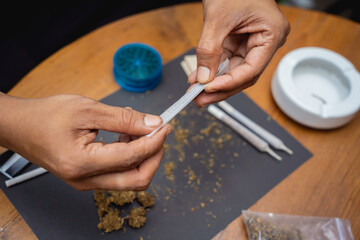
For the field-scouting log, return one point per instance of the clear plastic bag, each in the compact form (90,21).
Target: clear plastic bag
(267,226)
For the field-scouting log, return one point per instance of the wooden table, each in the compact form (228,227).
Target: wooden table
(327,185)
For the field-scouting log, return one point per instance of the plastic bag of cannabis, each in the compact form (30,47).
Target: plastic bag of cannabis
(261,226)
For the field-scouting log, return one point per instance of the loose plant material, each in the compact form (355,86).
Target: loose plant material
(111,221)
(109,203)
(122,197)
(145,199)
(137,217)
(259,229)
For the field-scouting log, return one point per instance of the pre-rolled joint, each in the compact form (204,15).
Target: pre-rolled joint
(226,106)
(216,112)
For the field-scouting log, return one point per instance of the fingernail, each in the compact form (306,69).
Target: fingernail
(209,87)
(170,128)
(203,74)
(152,121)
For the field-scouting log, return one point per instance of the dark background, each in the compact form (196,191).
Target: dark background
(33,30)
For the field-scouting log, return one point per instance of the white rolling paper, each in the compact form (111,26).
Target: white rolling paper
(180,104)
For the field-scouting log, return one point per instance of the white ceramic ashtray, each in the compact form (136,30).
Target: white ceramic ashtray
(317,87)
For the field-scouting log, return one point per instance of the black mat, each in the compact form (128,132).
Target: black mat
(186,208)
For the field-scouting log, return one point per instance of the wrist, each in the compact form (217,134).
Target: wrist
(10,107)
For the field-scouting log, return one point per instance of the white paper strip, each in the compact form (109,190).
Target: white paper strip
(180,104)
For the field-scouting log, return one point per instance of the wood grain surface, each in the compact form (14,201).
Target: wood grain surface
(326,185)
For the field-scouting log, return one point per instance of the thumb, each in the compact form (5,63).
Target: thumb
(209,52)
(124,120)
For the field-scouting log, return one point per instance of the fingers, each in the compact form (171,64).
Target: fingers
(244,71)
(205,99)
(122,120)
(208,52)
(135,179)
(240,77)
(121,156)
(249,34)
(192,77)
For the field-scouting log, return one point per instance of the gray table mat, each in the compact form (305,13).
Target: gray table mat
(232,174)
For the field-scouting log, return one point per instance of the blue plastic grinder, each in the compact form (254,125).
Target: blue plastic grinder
(137,67)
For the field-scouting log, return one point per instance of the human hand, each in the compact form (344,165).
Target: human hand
(247,32)
(58,133)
